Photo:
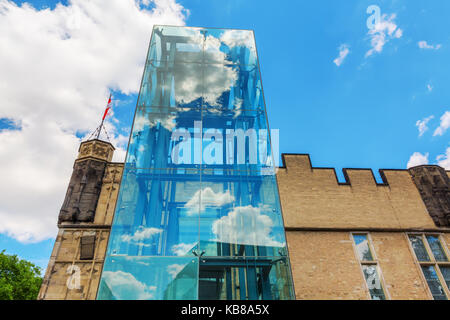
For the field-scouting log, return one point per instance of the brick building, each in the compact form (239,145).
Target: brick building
(399,220)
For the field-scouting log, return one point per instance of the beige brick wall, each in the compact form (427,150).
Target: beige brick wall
(324,266)
(312,197)
(396,260)
(319,214)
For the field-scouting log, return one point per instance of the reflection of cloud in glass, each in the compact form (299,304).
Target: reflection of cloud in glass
(245,225)
(193,81)
(182,248)
(174,269)
(141,235)
(238,38)
(166,120)
(212,49)
(208,198)
(125,286)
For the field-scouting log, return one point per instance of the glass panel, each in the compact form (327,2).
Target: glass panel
(230,46)
(236,141)
(149,278)
(436,248)
(240,215)
(362,247)
(166,84)
(446,274)
(373,282)
(177,44)
(152,214)
(434,283)
(419,248)
(233,87)
(244,279)
(165,139)
(194,45)
(174,201)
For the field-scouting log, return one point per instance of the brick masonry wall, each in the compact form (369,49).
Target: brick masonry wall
(396,260)
(325,266)
(311,197)
(319,214)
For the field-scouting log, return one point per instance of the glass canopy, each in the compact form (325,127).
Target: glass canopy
(198,214)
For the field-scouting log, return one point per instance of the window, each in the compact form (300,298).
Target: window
(433,260)
(369,266)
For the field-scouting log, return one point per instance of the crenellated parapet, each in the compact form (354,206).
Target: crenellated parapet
(313,197)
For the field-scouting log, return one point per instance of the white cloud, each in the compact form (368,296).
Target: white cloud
(443,160)
(174,269)
(444,125)
(422,125)
(56,70)
(238,38)
(429,87)
(417,159)
(383,32)
(125,286)
(182,248)
(245,225)
(425,45)
(141,235)
(343,52)
(209,198)
(189,86)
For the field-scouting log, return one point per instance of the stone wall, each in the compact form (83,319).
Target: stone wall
(76,262)
(313,198)
(433,184)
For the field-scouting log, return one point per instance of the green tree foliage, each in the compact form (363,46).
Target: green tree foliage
(19,279)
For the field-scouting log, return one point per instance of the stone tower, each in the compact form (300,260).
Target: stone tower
(433,184)
(84,222)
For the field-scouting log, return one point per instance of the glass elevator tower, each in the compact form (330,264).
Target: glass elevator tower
(198,214)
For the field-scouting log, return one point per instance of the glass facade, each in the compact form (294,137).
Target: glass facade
(198,214)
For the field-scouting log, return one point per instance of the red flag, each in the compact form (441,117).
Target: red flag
(107,108)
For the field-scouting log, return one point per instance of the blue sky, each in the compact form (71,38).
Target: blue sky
(364,111)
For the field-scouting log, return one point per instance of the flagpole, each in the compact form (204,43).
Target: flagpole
(103,119)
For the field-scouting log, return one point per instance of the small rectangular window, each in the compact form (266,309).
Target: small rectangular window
(436,248)
(434,283)
(430,253)
(419,248)
(446,275)
(369,266)
(362,247)
(373,282)
(87,249)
